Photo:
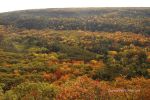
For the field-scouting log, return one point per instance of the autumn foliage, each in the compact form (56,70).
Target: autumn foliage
(39,63)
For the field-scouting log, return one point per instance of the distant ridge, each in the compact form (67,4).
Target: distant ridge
(109,19)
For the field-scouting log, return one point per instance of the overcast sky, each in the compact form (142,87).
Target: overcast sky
(12,5)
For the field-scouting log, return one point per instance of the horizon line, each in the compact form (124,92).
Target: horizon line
(67,8)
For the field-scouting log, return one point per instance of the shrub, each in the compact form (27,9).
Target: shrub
(32,91)
(83,88)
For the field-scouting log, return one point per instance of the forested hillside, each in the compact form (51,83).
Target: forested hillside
(93,19)
(75,54)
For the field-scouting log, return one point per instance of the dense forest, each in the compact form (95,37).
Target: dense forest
(75,54)
(92,19)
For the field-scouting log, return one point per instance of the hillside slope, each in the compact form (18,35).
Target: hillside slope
(93,19)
